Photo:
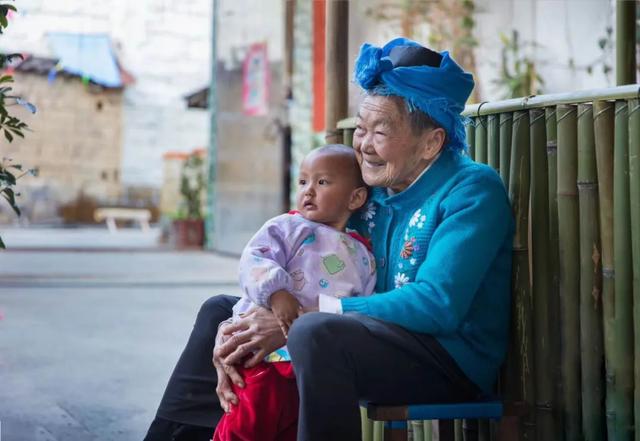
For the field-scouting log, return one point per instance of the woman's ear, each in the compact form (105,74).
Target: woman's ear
(433,143)
(358,198)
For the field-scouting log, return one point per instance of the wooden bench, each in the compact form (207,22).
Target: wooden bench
(112,214)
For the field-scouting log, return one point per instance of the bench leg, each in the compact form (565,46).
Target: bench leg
(443,430)
(509,429)
(395,431)
(111,225)
(144,225)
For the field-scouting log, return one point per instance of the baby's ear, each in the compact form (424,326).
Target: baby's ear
(358,198)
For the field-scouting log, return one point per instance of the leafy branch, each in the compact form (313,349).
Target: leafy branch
(10,125)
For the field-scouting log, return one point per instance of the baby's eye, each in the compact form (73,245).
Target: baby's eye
(323,182)
(301,182)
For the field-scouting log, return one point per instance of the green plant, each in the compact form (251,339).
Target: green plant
(518,75)
(450,26)
(192,184)
(607,47)
(10,125)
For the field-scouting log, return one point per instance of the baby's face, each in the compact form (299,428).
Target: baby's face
(325,187)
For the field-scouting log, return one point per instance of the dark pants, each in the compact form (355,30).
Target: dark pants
(341,359)
(338,360)
(189,409)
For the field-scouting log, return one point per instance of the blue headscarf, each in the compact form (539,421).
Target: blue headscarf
(440,92)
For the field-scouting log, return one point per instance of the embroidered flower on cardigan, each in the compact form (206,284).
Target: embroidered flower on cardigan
(400,280)
(370,212)
(407,248)
(413,261)
(418,219)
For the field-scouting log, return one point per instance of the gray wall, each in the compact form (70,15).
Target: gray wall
(249,162)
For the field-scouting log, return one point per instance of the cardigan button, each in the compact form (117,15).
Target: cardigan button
(381,262)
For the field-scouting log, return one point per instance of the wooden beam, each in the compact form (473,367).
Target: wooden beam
(337,67)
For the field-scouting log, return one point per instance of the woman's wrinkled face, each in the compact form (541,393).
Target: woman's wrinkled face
(389,152)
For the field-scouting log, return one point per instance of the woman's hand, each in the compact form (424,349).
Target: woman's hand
(286,309)
(255,335)
(226,374)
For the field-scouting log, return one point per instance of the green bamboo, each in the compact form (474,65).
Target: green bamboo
(428,431)
(541,278)
(417,427)
(481,140)
(493,141)
(569,271)
(457,429)
(634,193)
(622,372)
(603,118)
(519,379)
(347,137)
(535,102)
(625,42)
(470,128)
(591,343)
(366,425)
(505,146)
(554,267)
(378,431)
(540,101)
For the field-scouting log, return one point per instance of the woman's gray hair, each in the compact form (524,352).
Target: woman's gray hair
(418,120)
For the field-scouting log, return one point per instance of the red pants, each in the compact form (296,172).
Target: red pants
(267,407)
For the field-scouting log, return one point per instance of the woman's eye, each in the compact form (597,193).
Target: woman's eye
(359,130)
(379,133)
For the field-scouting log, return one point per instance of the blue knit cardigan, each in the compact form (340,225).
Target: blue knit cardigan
(443,251)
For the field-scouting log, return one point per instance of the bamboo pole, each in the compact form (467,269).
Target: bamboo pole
(540,275)
(481,140)
(539,101)
(417,428)
(581,96)
(625,42)
(519,378)
(569,271)
(378,431)
(366,425)
(554,266)
(337,66)
(493,141)
(622,372)
(603,118)
(471,138)
(634,193)
(457,430)
(505,146)
(591,343)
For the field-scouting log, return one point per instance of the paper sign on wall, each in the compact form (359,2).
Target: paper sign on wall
(255,81)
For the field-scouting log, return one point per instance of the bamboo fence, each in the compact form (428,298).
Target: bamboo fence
(571,165)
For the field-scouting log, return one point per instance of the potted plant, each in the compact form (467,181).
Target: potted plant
(188,225)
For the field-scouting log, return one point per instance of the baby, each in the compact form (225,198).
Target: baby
(290,261)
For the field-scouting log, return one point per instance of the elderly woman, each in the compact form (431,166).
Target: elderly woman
(441,230)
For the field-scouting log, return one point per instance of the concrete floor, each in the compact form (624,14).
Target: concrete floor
(88,339)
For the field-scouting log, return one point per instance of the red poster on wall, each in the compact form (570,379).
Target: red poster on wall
(255,81)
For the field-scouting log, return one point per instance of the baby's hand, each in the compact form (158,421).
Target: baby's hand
(286,309)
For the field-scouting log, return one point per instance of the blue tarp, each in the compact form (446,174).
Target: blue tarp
(87,55)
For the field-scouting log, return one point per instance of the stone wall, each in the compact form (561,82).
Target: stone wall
(74,142)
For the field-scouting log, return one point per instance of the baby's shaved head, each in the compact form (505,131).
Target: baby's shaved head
(344,158)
